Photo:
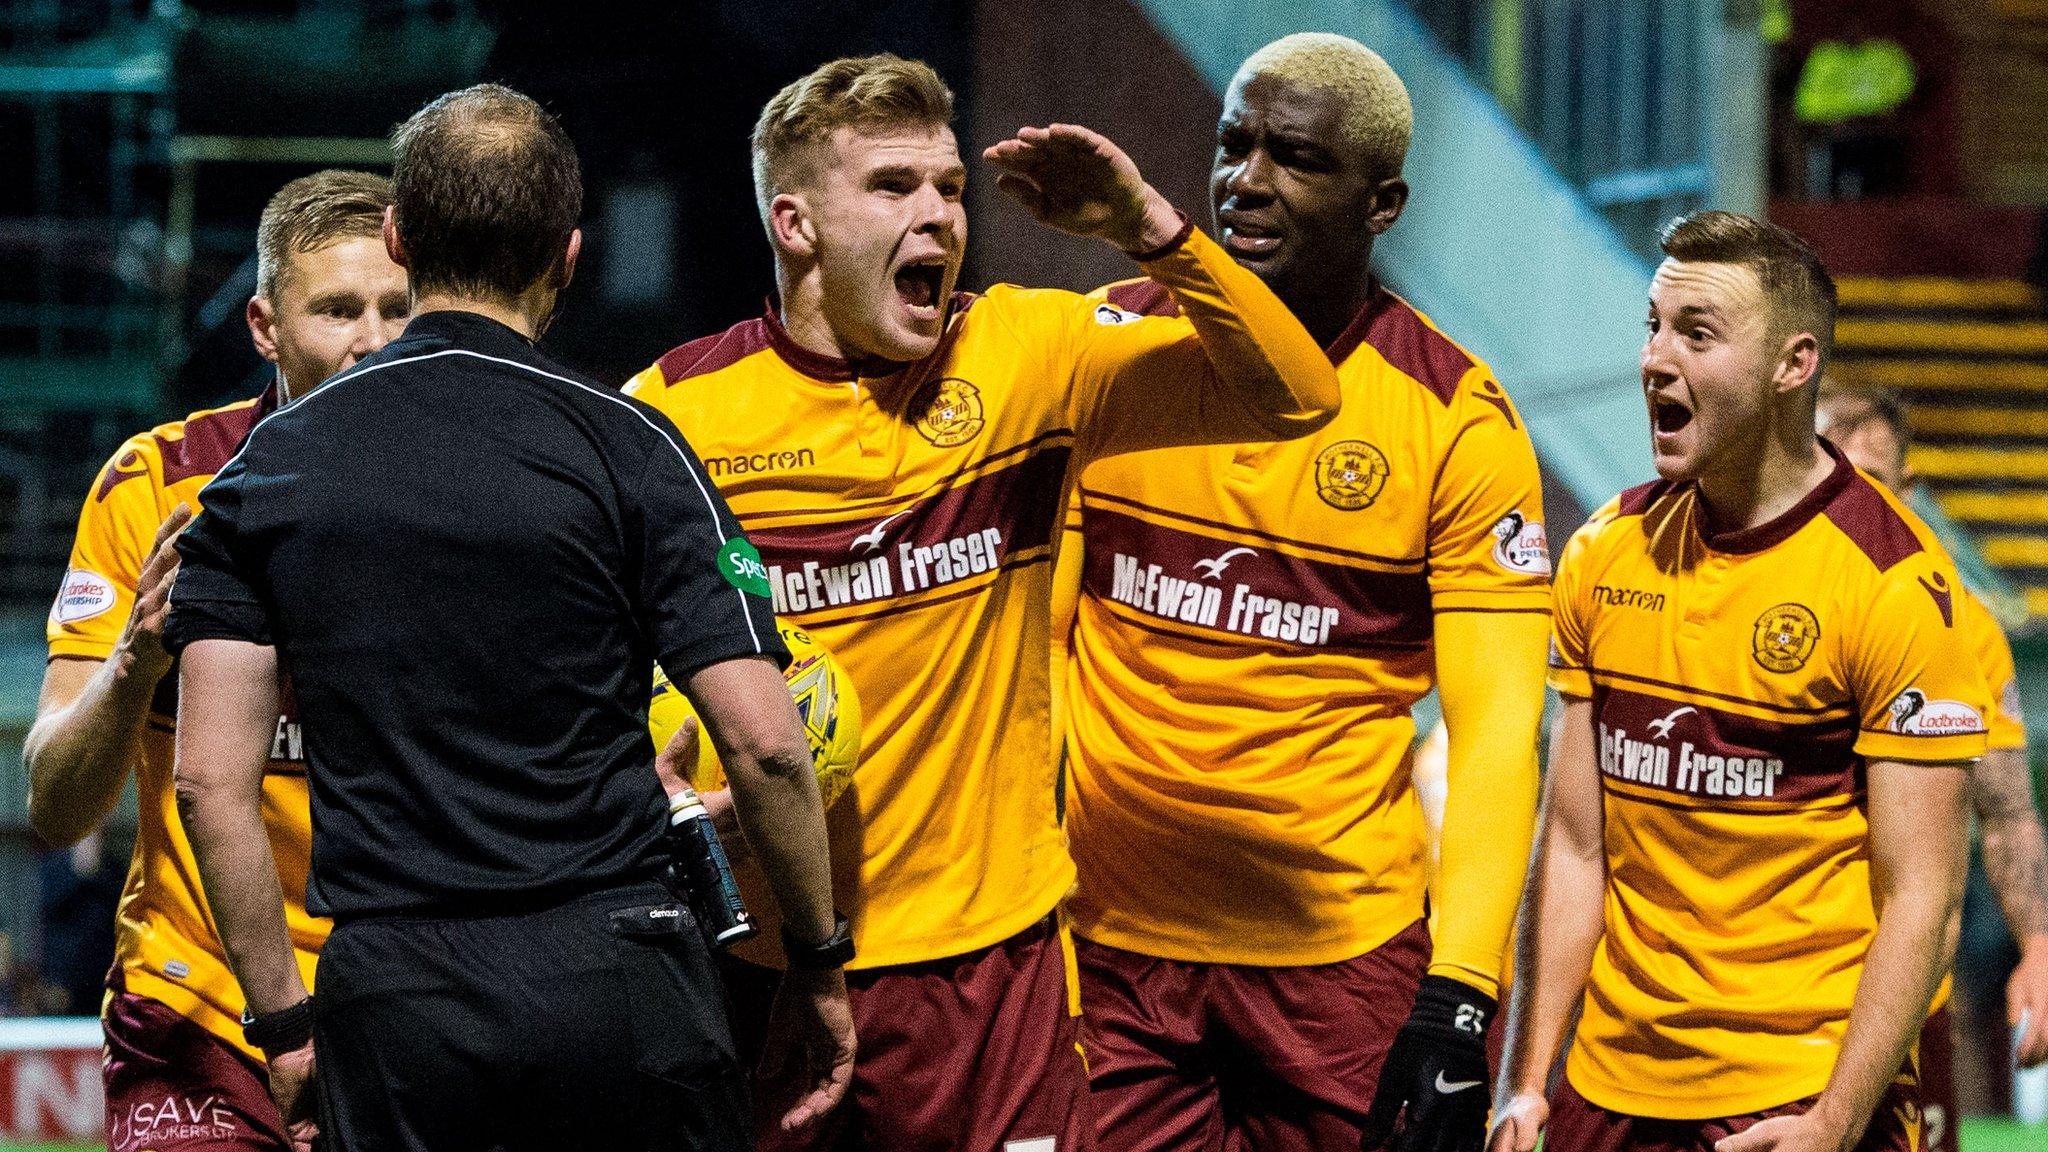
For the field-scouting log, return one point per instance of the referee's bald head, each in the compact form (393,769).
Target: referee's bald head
(487,191)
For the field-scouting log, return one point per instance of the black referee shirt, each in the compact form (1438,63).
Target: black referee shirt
(469,559)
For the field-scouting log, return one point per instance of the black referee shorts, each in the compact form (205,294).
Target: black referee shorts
(598,1024)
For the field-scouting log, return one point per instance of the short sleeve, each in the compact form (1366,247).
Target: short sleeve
(1487,549)
(1570,673)
(1915,678)
(2005,724)
(115,529)
(704,595)
(646,384)
(218,592)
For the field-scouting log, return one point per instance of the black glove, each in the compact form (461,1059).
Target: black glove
(1434,1081)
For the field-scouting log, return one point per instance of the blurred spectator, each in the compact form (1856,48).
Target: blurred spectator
(1848,99)
(1864,99)
(80,890)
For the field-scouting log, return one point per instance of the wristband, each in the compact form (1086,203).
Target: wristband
(1187,229)
(834,952)
(281,1031)
(1451,1010)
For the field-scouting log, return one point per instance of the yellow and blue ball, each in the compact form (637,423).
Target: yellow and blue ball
(824,698)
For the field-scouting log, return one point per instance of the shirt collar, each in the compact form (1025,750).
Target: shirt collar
(470,330)
(1780,528)
(1355,333)
(832,369)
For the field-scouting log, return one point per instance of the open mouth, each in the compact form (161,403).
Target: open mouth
(1668,416)
(1248,237)
(919,284)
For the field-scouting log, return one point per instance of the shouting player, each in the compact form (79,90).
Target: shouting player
(178,1071)
(1254,624)
(900,454)
(1870,429)
(1752,845)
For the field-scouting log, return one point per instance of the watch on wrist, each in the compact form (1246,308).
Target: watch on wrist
(833,952)
(281,1031)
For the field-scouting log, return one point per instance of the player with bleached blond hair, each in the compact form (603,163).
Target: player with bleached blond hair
(907,453)
(1254,624)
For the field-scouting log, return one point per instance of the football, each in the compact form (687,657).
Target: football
(824,699)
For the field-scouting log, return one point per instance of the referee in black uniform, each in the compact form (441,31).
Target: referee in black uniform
(468,559)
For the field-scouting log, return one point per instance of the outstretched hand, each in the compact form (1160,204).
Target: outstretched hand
(676,764)
(142,640)
(1806,1132)
(1080,182)
(808,1058)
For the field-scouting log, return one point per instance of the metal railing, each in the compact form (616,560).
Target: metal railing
(1651,108)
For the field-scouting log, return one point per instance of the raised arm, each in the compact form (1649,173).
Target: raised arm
(1248,370)
(1917,857)
(88,727)
(1560,925)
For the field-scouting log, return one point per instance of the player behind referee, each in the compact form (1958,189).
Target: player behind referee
(468,559)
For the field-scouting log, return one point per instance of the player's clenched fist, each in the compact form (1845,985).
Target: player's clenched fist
(1432,1094)
(1078,181)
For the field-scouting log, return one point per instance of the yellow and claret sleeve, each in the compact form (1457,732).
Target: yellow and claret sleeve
(1489,566)
(1234,366)
(1487,547)
(1569,671)
(1916,680)
(115,528)
(2007,727)
(1066,599)
(646,384)
(1490,675)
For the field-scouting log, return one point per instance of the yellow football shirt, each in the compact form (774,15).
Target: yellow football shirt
(1254,624)
(1740,683)
(166,947)
(908,520)
(2006,724)
(2004,721)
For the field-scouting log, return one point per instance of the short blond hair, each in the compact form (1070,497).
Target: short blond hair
(866,93)
(312,212)
(1378,118)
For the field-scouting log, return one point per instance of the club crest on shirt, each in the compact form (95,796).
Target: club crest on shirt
(1350,474)
(1520,546)
(1112,316)
(1785,637)
(954,417)
(1913,714)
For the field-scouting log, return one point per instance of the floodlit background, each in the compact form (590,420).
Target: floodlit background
(1902,138)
